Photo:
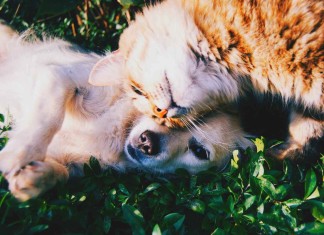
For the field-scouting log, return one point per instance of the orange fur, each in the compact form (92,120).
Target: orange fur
(278,42)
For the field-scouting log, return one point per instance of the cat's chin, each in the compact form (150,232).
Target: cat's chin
(170,122)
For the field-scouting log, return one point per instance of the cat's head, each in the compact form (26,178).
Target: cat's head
(155,148)
(170,72)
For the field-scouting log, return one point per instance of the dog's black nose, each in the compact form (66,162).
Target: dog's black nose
(149,143)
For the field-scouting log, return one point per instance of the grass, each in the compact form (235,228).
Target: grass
(254,196)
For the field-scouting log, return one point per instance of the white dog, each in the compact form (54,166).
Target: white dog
(59,120)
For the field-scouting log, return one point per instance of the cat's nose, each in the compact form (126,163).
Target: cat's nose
(149,143)
(160,113)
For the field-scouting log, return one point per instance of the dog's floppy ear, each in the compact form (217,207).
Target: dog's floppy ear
(108,71)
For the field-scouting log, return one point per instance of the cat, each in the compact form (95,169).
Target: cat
(58,121)
(186,58)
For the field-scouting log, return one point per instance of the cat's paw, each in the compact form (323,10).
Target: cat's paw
(282,151)
(32,180)
(307,154)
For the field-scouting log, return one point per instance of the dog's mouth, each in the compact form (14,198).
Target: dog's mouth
(137,155)
(132,152)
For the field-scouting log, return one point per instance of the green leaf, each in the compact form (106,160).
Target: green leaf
(310,228)
(95,165)
(123,189)
(218,231)
(134,218)
(290,220)
(249,200)
(2,4)
(317,209)
(258,170)
(152,187)
(293,203)
(268,187)
(173,220)
(318,213)
(315,194)
(235,159)
(259,143)
(275,218)
(2,119)
(106,224)
(216,203)
(193,182)
(310,183)
(156,230)
(87,170)
(38,228)
(288,169)
(255,185)
(230,204)
(197,206)
(129,3)
(249,218)
(282,191)
(260,208)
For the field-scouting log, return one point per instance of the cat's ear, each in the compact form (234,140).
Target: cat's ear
(108,71)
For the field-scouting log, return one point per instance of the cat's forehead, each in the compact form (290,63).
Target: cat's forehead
(150,64)
(147,51)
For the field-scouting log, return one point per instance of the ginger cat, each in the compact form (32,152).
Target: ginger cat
(186,58)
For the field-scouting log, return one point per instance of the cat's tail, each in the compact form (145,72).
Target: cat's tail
(7,34)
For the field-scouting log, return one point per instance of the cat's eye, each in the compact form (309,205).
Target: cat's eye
(198,150)
(136,90)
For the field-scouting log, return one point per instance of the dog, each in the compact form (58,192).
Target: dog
(59,120)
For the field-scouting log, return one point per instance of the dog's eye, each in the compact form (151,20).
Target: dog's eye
(136,90)
(198,150)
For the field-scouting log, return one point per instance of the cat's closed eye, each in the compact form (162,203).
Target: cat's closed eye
(136,90)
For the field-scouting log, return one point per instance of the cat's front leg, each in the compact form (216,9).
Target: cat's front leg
(305,143)
(36,178)
(39,122)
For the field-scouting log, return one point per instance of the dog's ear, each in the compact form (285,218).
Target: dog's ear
(108,71)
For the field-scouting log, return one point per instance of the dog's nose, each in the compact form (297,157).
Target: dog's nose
(149,143)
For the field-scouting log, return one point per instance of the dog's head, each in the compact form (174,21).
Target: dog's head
(156,148)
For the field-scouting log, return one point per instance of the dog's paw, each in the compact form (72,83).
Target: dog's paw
(32,180)
(9,164)
(13,158)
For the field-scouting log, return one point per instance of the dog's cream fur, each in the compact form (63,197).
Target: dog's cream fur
(59,120)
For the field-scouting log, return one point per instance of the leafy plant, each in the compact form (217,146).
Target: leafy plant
(3,128)
(93,24)
(252,196)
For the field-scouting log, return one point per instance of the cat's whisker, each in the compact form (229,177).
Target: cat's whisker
(187,125)
(223,145)
(200,131)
